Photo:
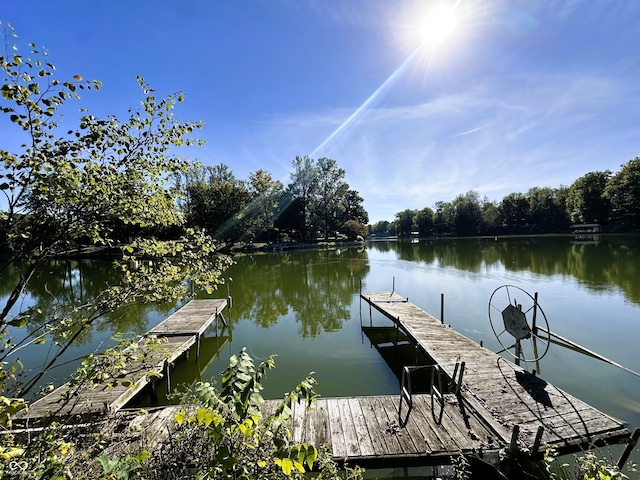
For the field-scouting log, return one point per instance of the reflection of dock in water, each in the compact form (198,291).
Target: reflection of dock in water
(397,350)
(186,371)
(149,361)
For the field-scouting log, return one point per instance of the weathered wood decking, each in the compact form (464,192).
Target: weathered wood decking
(496,399)
(368,431)
(178,333)
(503,395)
(500,410)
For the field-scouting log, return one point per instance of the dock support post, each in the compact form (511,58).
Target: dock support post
(154,393)
(393,285)
(229,302)
(397,322)
(537,441)
(629,448)
(167,372)
(197,346)
(442,308)
(513,446)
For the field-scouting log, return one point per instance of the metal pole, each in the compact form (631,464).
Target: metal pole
(580,349)
(630,446)
(442,308)
(534,328)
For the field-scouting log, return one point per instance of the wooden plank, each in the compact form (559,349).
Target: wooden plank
(365,443)
(339,447)
(389,428)
(191,319)
(298,422)
(351,437)
(412,431)
(317,427)
(377,429)
(448,431)
(389,410)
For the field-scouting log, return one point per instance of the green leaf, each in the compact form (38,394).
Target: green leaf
(205,417)
(78,77)
(17,322)
(143,455)
(299,466)
(286,465)
(179,417)
(312,455)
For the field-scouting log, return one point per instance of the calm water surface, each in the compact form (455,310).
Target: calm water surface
(304,307)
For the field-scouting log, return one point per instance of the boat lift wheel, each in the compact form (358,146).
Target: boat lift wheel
(519,323)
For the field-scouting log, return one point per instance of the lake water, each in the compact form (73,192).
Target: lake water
(304,307)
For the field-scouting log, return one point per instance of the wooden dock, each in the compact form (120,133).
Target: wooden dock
(153,360)
(519,410)
(377,431)
(494,411)
(488,409)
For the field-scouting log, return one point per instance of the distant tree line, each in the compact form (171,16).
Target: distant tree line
(317,203)
(600,197)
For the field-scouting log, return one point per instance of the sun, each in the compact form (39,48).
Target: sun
(438,25)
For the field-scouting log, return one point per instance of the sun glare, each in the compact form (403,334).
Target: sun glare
(438,25)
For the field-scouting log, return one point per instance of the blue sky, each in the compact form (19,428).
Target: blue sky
(520,94)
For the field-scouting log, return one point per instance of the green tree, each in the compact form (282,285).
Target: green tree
(330,189)
(514,208)
(303,187)
(265,197)
(444,218)
(383,227)
(405,222)
(547,209)
(491,221)
(586,202)
(218,203)
(318,200)
(352,207)
(623,191)
(424,221)
(66,184)
(468,215)
(354,229)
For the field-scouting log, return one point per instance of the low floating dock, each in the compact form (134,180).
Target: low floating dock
(368,431)
(495,405)
(484,406)
(178,333)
